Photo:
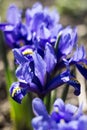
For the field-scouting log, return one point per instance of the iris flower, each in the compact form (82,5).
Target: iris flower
(67,41)
(38,72)
(67,48)
(44,63)
(80,60)
(40,23)
(63,117)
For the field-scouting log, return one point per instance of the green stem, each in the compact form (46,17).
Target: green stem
(31,114)
(20,114)
(65,92)
(3,52)
(47,101)
(53,96)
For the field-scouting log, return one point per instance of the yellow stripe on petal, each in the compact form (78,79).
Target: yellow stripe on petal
(15,90)
(27,51)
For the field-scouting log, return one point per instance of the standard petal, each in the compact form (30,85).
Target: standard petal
(79,55)
(27,72)
(50,58)
(39,108)
(36,8)
(37,21)
(28,16)
(19,72)
(59,104)
(40,68)
(13,15)
(43,32)
(67,41)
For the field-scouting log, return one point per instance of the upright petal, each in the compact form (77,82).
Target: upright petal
(67,41)
(51,17)
(79,54)
(49,58)
(19,73)
(27,72)
(36,8)
(59,105)
(37,21)
(40,68)
(13,15)
(28,16)
(43,32)
(39,108)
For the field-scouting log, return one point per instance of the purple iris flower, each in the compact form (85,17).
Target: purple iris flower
(38,72)
(40,23)
(17,92)
(43,120)
(63,117)
(80,60)
(67,39)
(15,31)
(67,49)
(66,112)
(82,120)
